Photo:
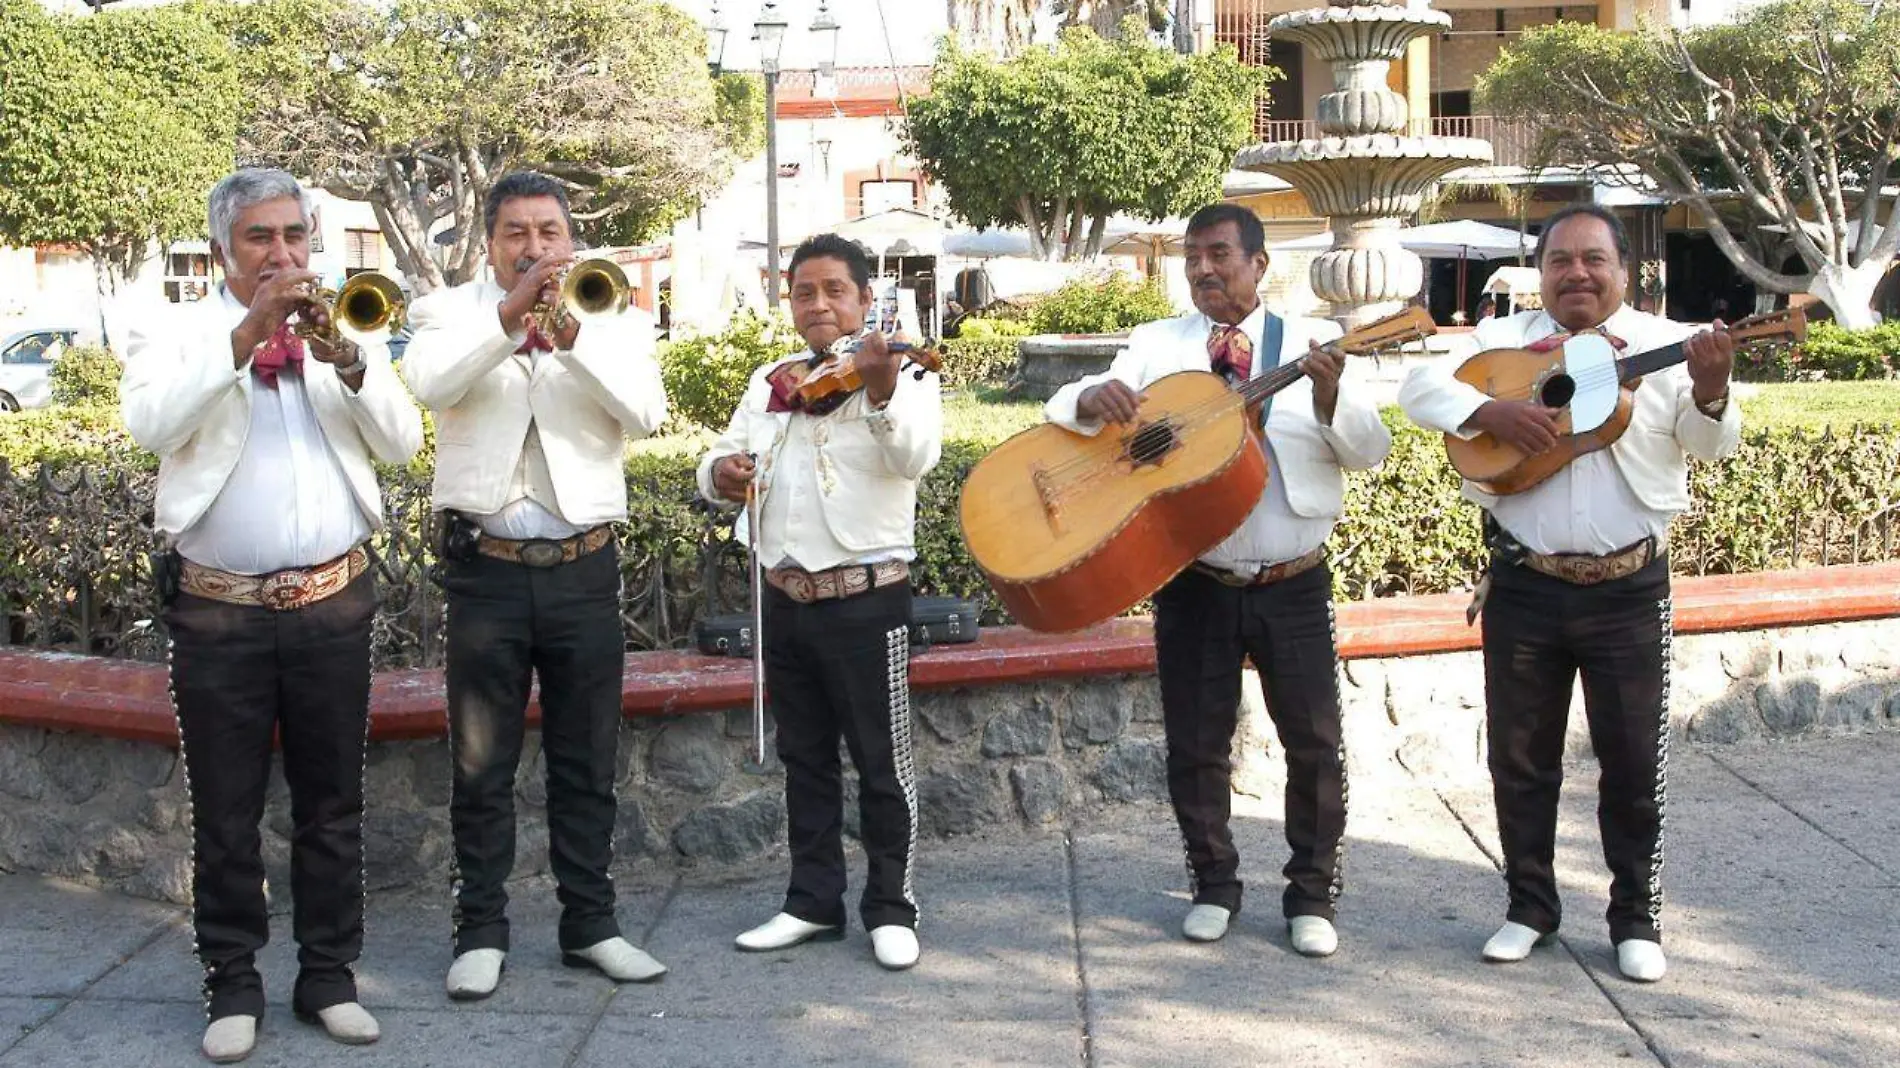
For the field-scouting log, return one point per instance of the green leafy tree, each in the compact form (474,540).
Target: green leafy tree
(706,375)
(417,107)
(112,128)
(1779,130)
(1057,140)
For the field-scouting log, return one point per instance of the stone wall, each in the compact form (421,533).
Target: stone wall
(1047,362)
(1008,758)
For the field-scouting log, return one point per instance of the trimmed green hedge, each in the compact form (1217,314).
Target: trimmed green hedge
(978,361)
(1830,352)
(1787,497)
(1105,304)
(86,374)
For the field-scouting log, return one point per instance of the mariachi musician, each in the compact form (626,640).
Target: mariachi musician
(1579,582)
(837,500)
(533,411)
(1266,592)
(267,497)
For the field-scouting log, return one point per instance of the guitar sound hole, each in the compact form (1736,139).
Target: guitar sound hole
(1557,391)
(1150,443)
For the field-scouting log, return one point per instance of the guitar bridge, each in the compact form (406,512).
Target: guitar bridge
(1051,507)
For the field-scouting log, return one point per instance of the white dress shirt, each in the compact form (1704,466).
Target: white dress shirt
(1605,500)
(1273,532)
(1588,507)
(1305,457)
(254,479)
(287,503)
(534,505)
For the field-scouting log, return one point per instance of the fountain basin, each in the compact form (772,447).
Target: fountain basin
(1372,174)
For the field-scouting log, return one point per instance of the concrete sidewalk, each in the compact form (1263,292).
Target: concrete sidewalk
(1783,926)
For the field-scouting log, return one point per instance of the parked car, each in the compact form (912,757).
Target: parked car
(26,364)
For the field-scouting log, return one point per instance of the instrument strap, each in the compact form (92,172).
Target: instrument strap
(1272,337)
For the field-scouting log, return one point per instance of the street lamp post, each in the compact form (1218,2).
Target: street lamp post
(769,31)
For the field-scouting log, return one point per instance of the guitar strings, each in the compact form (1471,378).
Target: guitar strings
(1201,413)
(1197,415)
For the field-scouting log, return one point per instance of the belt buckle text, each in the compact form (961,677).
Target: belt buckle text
(284,590)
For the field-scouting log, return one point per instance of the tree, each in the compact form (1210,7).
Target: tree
(1057,140)
(1786,121)
(418,106)
(997,27)
(112,128)
(1106,16)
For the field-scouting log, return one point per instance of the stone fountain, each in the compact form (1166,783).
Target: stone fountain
(1365,173)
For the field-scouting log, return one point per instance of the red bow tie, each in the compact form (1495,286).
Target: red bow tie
(283,349)
(534,342)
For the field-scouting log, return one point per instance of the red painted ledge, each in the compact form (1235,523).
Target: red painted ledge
(129,700)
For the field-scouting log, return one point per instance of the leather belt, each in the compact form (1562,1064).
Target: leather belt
(806,587)
(1582,569)
(1286,569)
(279,591)
(543,552)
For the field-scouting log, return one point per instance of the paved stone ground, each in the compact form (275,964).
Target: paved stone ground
(1783,929)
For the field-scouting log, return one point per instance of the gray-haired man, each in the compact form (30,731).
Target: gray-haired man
(267,496)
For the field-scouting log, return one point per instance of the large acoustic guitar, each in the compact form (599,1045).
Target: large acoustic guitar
(1593,390)
(1072,529)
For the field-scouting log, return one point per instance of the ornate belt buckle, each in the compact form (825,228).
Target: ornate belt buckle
(540,553)
(285,590)
(798,585)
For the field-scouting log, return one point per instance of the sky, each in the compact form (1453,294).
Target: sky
(914,28)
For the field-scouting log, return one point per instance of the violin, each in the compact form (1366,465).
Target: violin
(822,388)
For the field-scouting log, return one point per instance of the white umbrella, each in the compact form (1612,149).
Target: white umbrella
(1466,239)
(986,244)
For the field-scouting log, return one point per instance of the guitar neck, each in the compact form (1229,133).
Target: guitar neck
(1410,324)
(1644,363)
(1788,326)
(1256,390)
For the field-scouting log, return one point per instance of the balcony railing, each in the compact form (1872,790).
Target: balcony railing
(1512,142)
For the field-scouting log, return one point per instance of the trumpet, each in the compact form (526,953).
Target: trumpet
(368,307)
(591,289)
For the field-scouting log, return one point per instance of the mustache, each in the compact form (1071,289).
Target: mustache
(525,263)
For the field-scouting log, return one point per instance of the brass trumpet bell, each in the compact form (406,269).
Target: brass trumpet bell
(594,288)
(368,307)
(370,303)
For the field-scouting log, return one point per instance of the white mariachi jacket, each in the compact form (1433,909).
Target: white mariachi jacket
(1311,454)
(866,462)
(1665,426)
(183,398)
(585,403)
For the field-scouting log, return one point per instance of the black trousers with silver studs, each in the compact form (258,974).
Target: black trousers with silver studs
(242,675)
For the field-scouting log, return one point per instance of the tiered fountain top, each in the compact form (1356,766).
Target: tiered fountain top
(1365,163)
